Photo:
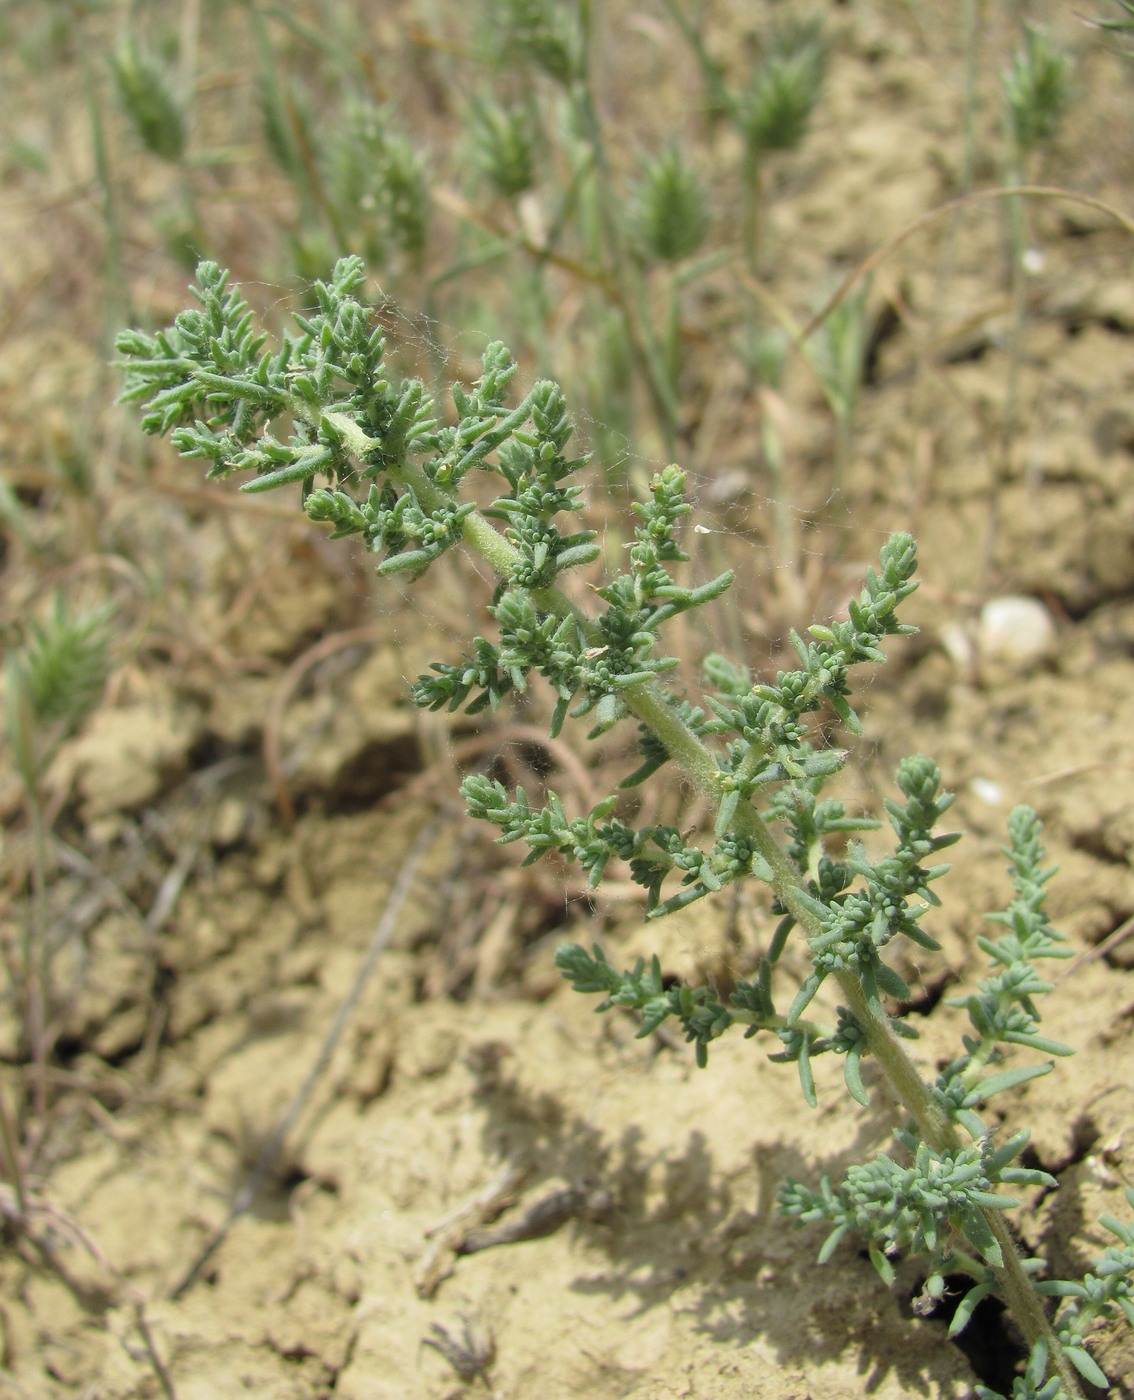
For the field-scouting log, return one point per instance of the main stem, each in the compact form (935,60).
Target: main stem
(650,703)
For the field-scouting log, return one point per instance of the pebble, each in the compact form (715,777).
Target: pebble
(988,791)
(1015,631)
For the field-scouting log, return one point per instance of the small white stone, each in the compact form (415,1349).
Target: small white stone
(1019,632)
(987,791)
(1033,261)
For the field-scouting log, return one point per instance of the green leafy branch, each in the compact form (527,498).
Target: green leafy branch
(322,404)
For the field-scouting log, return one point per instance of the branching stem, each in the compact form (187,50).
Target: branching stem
(649,702)
(352,425)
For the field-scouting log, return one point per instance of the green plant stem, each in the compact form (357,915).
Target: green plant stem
(1023,1303)
(35,957)
(649,702)
(719,94)
(187,46)
(311,188)
(751,190)
(673,331)
(933,1124)
(1018,294)
(658,360)
(118,296)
